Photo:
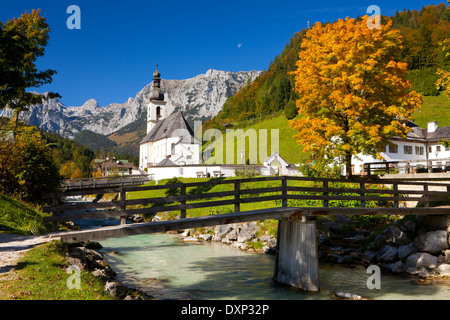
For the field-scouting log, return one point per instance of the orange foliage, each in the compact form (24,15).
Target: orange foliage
(353,95)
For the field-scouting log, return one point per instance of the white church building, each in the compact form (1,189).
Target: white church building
(169,139)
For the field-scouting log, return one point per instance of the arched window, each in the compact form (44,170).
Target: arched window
(158,113)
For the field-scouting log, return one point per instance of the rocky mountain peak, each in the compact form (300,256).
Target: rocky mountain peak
(198,98)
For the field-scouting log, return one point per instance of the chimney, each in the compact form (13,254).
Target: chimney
(432,126)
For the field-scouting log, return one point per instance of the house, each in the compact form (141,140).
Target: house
(113,167)
(168,137)
(419,147)
(276,165)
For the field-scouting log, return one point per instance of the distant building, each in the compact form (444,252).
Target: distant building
(168,137)
(111,167)
(419,144)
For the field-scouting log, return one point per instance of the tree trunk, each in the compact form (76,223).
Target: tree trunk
(348,165)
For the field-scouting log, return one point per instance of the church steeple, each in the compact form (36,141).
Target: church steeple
(156,93)
(156,108)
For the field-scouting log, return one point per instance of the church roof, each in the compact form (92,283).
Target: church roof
(174,125)
(166,163)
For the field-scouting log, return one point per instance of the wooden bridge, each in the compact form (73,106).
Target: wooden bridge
(108,181)
(294,201)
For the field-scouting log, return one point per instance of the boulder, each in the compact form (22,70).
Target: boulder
(369,256)
(206,237)
(222,230)
(247,232)
(378,242)
(93,245)
(443,269)
(396,236)
(404,251)
(116,289)
(447,256)
(432,241)
(387,254)
(190,239)
(331,225)
(78,253)
(420,260)
(231,236)
(272,243)
(409,227)
(423,273)
(395,267)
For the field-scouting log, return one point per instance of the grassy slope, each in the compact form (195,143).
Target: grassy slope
(434,109)
(20,218)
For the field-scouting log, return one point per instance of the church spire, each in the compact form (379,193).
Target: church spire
(156,93)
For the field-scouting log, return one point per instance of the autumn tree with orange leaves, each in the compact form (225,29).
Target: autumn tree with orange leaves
(353,96)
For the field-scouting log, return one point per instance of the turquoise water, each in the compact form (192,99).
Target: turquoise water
(168,268)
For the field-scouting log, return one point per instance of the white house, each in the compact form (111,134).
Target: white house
(419,144)
(168,137)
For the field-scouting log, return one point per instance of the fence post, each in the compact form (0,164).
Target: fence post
(284,191)
(363,194)
(55,203)
(183,202)
(237,201)
(123,207)
(395,195)
(425,193)
(325,193)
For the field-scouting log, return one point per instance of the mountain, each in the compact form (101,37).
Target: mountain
(200,97)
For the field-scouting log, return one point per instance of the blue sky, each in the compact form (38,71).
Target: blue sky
(113,55)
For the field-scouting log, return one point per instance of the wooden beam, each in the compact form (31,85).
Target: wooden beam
(178,224)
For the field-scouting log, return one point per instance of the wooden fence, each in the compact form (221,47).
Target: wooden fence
(319,192)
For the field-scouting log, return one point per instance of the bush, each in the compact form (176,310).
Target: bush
(27,164)
(290,110)
(424,81)
(173,191)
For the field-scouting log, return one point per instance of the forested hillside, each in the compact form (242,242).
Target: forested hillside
(422,33)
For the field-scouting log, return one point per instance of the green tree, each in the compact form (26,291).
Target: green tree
(22,41)
(28,167)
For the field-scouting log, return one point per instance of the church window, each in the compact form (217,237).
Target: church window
(158,113)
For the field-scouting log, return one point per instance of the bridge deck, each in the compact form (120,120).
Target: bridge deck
(236,217)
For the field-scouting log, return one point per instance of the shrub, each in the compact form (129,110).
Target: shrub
(290,110)
(173,191)
(28,167)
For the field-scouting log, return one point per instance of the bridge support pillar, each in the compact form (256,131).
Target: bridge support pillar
(297,262)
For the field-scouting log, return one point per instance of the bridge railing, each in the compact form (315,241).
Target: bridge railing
(109,181)
(286,191)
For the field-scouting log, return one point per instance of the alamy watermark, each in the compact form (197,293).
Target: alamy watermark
(74,20)
(373,281)
(374,21)
(74,280)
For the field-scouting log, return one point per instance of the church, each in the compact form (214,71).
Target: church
(170,140)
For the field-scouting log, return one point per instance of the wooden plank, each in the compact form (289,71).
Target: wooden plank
(359,198)
(164,226)
(261,190)
(261,199)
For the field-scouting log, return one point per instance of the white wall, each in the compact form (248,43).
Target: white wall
(402,156)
